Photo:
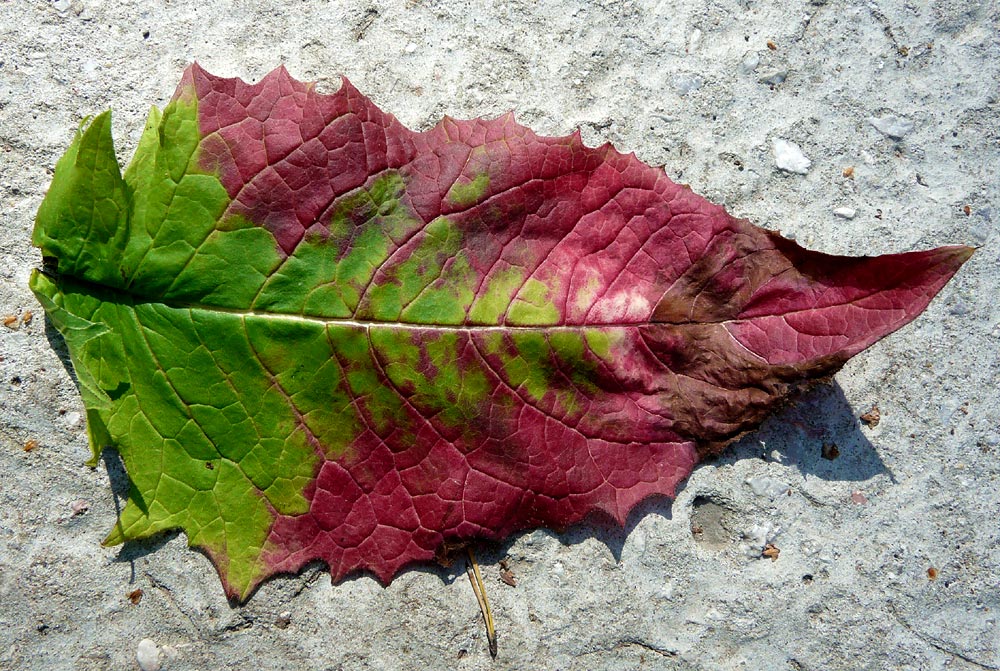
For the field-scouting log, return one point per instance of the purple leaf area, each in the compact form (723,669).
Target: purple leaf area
(725,318)
(522,330)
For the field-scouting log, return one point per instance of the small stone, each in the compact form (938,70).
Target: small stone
(750,62)
(756,538)
(284,619)
(147,654)
(685,83)
(773,77)
(766,486)
(891,125)
(90,68)
(694,39)
(411,47)
(789,157)
(79,507)
(845,212)
(858,497)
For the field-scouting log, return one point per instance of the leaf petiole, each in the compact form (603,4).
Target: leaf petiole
(484,605)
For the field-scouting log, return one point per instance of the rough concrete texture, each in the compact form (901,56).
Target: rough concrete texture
(889,554)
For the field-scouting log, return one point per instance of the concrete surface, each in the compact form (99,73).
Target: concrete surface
(904,92)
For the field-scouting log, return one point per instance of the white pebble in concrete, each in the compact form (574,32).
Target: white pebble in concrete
(845,212)
(891,125)
(686,83)
(789,157)
(773,77)
(694,39)
(148,655)
(767,487)
(750,62)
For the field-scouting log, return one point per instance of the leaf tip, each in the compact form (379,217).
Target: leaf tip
(962,253)
(115,537)
(947,260)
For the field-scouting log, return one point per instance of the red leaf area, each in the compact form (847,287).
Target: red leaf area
(716,321)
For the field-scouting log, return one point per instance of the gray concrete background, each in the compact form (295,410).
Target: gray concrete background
(694,85)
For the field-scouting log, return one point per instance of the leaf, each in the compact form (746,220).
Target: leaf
(315,334)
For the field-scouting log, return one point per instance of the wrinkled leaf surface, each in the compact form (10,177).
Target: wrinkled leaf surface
(315,334)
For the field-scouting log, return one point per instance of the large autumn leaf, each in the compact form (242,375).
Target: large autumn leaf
(315,334)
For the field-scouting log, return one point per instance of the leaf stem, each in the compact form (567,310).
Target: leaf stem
(484,605)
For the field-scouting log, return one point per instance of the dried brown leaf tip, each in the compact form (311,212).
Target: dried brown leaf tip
(771,550)
(30,445)
(872,417)
(135,596)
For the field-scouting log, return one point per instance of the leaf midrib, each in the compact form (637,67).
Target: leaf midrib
(137,299)
(126,296)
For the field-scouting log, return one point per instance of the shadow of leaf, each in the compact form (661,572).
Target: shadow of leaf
(797,435)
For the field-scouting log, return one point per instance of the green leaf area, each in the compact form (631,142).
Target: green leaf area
(213,410)
(227,372)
